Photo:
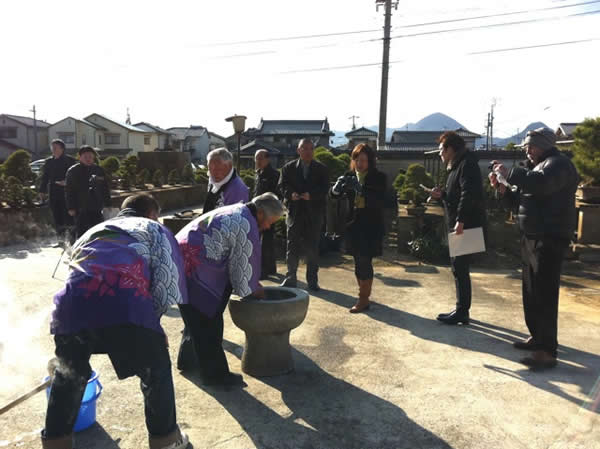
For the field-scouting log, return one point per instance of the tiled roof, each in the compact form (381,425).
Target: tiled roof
(567,128)
(150,127)
(124,125)
(408,147)
(27,121)
(294,127)
(93,125)
(256,145)
(192,131)
(362,131)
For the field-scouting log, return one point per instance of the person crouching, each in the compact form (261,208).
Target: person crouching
(124,275)
(222,254)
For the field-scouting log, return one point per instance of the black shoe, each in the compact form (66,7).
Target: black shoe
(445,315)
(540,360)
(228,381)
(289,281)
(455,318)
(313,286)
(526,345)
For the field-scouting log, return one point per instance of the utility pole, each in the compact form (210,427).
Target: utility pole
(353,117)
(492,124)
(385,68)
(487,133)
(35,139)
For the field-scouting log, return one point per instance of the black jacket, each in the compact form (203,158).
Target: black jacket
(87,188)
(365,226)
(317,185)
(463,197)
(546,196)
(266,180)
(55,170)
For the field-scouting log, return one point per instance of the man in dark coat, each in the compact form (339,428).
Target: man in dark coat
(87,191)
(304,185)
(547,217)
(266,180)
(465,209)
(225,188)
(53,186)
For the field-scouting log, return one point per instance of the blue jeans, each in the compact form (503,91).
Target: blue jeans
(70,380)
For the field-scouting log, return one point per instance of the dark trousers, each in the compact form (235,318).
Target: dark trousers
(62,220)
(269,260)
(301,235)
(203,336)
(462,280)
(87,219)
(542,263)
(70,380)
(363,267)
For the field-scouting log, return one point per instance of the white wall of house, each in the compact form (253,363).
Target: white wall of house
(136,142)
(23,136)
(151,141)
(117,137)
(74,133)
(198,147)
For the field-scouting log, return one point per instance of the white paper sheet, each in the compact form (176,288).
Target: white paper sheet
(469,242)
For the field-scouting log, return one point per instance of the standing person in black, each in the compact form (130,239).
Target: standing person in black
(365,187)
(53,186)
(465,209)
(225,188)
(547,218)
(304,185)
(87,191)
(266,180)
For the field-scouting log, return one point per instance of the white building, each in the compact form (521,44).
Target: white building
(120,139)
(76,132)
(17,132)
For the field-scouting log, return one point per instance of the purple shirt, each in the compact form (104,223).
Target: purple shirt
(219,248)
(127,270)
(235,192)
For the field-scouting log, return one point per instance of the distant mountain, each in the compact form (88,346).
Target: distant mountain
(517,138)
(433,122)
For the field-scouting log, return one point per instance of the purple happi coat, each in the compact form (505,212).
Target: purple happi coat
(219,248)
(127,270)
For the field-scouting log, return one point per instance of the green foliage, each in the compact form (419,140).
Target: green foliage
(247,176)
(173,177)
(336,166)
(399,182)
(142,178)
(345,158)
(201,176)
(410,190)
(17,165)
(187,176)
(128,172)
(510,146)
(110,165)
(28,196)
(14,195)
(428,247)
(321,150)
(158,179)
(586,150)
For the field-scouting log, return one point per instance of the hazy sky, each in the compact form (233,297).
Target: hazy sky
(160,59)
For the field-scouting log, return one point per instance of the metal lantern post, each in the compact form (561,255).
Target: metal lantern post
(239,125)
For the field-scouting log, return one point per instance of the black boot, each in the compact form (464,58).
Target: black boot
(455,317)
(446,315)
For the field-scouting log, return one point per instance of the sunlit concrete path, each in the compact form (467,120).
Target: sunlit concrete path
(391,378)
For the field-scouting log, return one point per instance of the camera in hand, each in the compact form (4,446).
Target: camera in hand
(347,184)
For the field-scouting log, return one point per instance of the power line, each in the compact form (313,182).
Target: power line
(343,67)
(493,25)
(489,16)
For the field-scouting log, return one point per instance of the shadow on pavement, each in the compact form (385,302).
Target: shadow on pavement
(96,438)
(575,367)
(22,250)
(323,411)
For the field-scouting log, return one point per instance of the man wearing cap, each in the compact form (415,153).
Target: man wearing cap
(545,195)
(87,191)
(53,186)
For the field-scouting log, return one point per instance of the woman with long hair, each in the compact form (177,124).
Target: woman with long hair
(364,186)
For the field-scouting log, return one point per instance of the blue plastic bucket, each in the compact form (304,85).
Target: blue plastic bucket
(87,411)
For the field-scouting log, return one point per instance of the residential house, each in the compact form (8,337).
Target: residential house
(75,133)
(362,135)
(194,140)
(155,138)
(216,141)
(17,132)
(426,140)
(286,134)
(564,134)
(120,139)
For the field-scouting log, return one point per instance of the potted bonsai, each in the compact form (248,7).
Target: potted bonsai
(416,208)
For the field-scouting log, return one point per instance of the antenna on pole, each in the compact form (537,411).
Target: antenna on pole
(353,117)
